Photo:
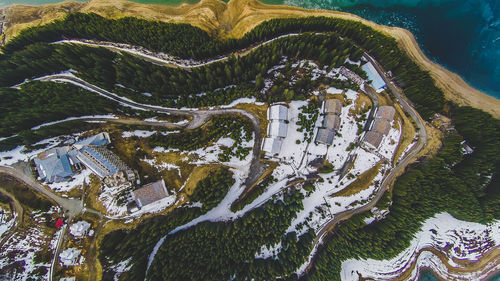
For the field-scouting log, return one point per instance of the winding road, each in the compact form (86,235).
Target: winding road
(74,207)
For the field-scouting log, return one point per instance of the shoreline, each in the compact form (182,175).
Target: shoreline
(237,17)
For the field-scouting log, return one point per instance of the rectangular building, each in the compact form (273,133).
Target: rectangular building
(377,82)
(333,106)
(150,193)
(278,112)
(325,136)
(272,146)
(332,122)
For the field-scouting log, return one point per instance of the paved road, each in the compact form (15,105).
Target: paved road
(72,206)
(200,117)
(410,155)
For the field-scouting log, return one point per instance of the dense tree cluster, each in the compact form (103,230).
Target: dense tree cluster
(210,191)
(252,194)
(462,185)
(226,250)
(191,42)
(38,102)
(234,127)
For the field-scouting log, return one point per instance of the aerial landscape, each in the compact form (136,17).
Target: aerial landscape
(248,140)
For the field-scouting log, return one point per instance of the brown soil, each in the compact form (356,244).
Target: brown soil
(234,19)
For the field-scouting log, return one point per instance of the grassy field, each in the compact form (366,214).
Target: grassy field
(362,182)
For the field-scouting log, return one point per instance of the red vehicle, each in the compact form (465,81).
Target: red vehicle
(59,223)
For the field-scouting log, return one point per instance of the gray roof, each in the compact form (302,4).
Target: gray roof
(278,112)
(53,165)
(150,193)
(277,129)
(325,136)
(332,122)
(272,146)
(333,106)
(373,139)
(381,126)
(386,112)
(101,161)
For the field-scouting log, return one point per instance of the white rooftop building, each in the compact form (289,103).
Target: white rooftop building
(70,256)
(278,112)
(277,129)
(272,146)
(79,229)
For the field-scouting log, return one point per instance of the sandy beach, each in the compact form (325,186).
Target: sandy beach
(233,20)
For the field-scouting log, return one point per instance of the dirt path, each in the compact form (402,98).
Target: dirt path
(17,208)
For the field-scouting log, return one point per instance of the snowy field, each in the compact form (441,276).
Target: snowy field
(460,240)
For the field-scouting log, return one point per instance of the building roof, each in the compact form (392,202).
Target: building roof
(333,106)
(373,139)
(277,129)
(325,136)
(386,112)
(278,112)
(272,146)
(332,122)
(79,229)
(100,139)
(377,81)
(381,126)
(150,193)
(53,165)
(101,161)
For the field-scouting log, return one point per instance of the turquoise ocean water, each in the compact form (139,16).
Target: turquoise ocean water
(427,275)
(462,35)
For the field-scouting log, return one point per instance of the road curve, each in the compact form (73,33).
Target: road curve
(401,165)
(200,117)
(72,206)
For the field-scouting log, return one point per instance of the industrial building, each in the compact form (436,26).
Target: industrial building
(103,162)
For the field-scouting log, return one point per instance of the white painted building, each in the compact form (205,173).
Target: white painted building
(277,129)
(272,146)
(277,112)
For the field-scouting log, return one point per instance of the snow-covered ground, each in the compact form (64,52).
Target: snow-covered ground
(109,199)
(6,221)
(20,250)
(77,180)
(109,116)
(138,133)
(460,240)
